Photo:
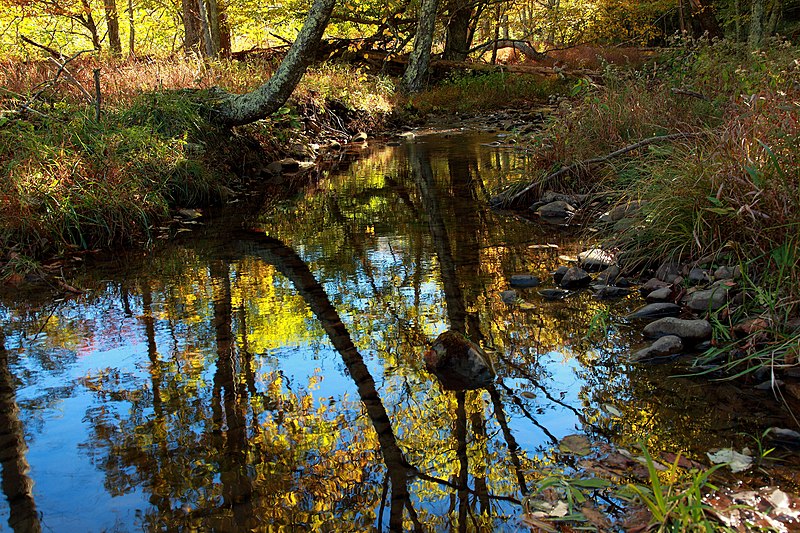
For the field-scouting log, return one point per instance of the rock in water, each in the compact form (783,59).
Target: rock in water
(657,310)
(459,363)
(523,281)
(575,278)
(690,331)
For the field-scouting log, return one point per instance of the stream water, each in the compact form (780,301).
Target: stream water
(244,379)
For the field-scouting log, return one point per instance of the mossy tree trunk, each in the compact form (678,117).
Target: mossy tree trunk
(238,109)
(417,72)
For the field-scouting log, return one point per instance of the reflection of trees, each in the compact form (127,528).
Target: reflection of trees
(17,486)
(296,270)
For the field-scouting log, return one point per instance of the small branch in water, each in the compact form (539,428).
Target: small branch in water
(446,483)
(517,198)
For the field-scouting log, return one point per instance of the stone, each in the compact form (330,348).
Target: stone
(656,310)
(289,164)
(509,296)
(668,272)
(723,272)
(607,292)
(558,209)
(335,145)
(595,259)
(553,294)
(552,196)
(697,275)
(522,281)
(275,168)
(750,325)
(659,295)
(574,278)
(359,137)
(690,331)
(652,284)
(608,276)
(662,347)
(708,299)
(458,363)
(558,275)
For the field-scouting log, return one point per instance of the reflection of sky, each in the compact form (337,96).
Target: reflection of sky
(68,486)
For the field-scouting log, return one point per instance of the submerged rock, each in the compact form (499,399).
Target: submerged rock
(509,297)
(656,310)
(523,281)
(607,292)
(691,331)
(458,363)
(662,347)
(359,137)
(553,294)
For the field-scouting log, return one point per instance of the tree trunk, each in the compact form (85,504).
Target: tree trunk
(240,109)
(703,10)
(756,35)
(131,30)
(112,23)
(420,58)
(457,45)
(224,32)
(191,25)
(213,42)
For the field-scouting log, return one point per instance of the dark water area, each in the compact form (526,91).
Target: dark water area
(265,368)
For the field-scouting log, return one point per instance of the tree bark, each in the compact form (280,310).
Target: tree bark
(112,23)
(191,25)
(756,34)
(241,109)
(703,10)
(417,71)
(87,21)
(131,30)
(457,43)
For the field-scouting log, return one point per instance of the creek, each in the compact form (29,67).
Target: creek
(264,367)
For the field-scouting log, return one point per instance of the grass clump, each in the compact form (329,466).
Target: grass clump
(70,181)
(481,91)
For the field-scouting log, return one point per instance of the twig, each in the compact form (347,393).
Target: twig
(96,73)
(68,74)
(688,92)
(519,197)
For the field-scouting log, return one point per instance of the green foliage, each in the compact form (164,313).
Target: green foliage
(676,506)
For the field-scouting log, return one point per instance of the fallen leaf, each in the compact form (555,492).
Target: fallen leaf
(737,461)
(575,444)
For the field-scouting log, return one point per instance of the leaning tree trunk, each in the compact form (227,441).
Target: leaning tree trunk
(417,71)
(237,109)
(756,34)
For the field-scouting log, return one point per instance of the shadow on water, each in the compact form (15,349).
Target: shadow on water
(239,380)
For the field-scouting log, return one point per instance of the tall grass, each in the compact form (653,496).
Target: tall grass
(72,181)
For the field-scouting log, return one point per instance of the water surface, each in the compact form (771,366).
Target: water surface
(265,367)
